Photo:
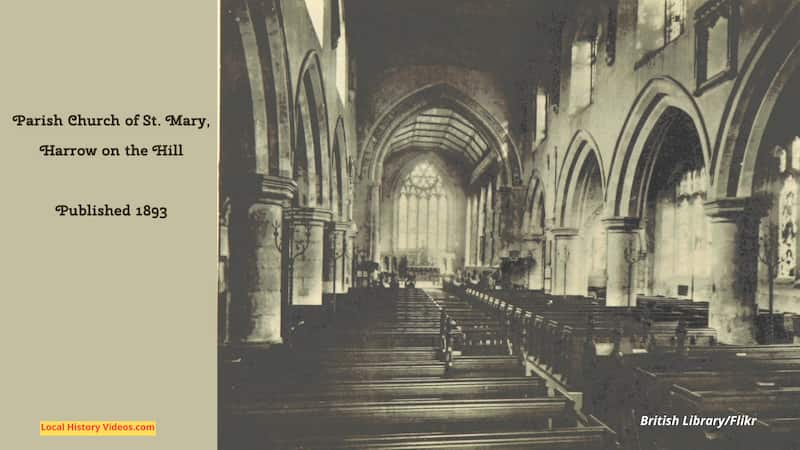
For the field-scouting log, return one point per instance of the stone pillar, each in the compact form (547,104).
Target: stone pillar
(734,263)
(223,284)
(336,260)
(307,227)
(536,273)
(374,227)
(569,277)
(349,256)
(262,261)
(468,231)
(328,249)
(622,260)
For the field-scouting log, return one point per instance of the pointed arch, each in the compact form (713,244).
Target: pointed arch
(376,146)
(659,102)
(765,72)
(262,39)
(581,161)
(340,182)
(311,97)
(534,203)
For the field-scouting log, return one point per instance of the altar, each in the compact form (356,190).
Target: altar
(424,273)
(425,265)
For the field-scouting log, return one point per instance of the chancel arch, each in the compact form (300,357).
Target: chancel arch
(439,119)
(377,142)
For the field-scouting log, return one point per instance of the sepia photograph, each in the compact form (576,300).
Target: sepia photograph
(509,224)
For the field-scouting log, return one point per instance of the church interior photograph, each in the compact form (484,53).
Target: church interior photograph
(509,224)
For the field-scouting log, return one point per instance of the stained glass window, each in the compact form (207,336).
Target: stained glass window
(422,210)
(788,228)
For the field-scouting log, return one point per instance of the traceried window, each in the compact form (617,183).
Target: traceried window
(788,164)
(422,209)
(659,23)
(788,228)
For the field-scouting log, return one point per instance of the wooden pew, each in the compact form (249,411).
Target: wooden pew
(263,394)
(586,438)
(347,382)
(291,419)
(375,371)
(653,388)
(408,355)
(486,365)
(762,381)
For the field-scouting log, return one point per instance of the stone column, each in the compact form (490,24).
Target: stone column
(349,256)
(328,249)
(374,227)
(262,261)
(307,226)
(734,257)
(468,231)
(568,272)
(536,273)
(622,260)
(223,284)
(337,252)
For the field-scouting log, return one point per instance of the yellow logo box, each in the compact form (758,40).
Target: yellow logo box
(97,428)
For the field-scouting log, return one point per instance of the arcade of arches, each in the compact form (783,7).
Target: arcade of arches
(551,148)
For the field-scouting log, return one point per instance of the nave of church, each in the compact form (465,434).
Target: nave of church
(509,223)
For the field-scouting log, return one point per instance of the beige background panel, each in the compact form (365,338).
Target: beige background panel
(109,318)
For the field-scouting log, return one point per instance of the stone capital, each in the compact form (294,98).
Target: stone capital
(731,209)
(564,232)
(621,223)
(271,189)
(341,226)
(533,237)
(507,189)
(312,216)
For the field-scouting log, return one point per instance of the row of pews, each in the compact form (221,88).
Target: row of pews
(377,376)
(658,359)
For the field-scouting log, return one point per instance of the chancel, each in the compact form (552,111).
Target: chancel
(475,224)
